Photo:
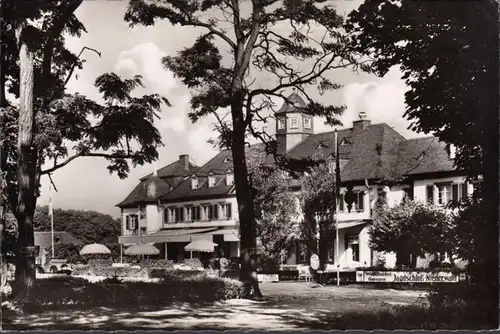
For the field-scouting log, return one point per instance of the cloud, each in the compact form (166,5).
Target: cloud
(145,60)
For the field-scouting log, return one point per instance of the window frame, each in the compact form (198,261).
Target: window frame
(353,240)
(307,123)
(281,123)
(292,119)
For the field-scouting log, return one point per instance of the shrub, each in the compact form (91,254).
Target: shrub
(194,263)
(156,263)
(63,292)
(110,271)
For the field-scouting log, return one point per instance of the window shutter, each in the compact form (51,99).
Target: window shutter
(127,222)
(464,190)
(210,212)
(198,213)
(229,210)
(430,194)
(346,242)
(341,203)
(454,192)
(216,211)
(410,192)
(361,201)
(181,214)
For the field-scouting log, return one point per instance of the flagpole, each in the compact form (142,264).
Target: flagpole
(51,213)
(337,203)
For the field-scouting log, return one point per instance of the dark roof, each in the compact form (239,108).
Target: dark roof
(422,156)
(176,168)
(184,190)
(44,239)
(366,154)
(167,178)
(147,191)
(296,101)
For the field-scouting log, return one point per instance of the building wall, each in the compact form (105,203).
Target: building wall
(200,223)
(153,218)
(419,190)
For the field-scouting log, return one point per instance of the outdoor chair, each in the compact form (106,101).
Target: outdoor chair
(304,273)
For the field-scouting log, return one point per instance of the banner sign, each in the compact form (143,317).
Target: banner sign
(268,278)
(407,277)
(314,262)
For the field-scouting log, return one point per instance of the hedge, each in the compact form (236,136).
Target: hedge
(63,292)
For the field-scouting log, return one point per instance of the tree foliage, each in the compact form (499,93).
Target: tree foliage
(36,66)
(86,226)
(275,209)
(413,228)
(243,40)
(447,54)
(317,203)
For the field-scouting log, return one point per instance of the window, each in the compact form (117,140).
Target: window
(205,212)
(194,182)
(459,191)
(171,215)
(307,123)
(179,214)
(281,123)
(358,204)
(131,222)
(294,123)
(226,211)
(196,213)
(353,244)
(213,212)
(211,181)
(444,194)
(229,179)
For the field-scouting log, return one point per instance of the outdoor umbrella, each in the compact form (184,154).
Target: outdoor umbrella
(205,246)
(95,249)
(142,249)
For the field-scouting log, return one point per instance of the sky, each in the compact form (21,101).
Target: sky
(85,183)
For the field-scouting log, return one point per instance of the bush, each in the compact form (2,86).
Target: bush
(156,263)
(194,263)
(110,271)
(64,292)
(99,262)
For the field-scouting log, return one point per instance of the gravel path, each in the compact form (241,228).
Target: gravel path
(286,306)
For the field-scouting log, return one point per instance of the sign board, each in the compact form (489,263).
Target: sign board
(266,278)
(406,277)
(314,262)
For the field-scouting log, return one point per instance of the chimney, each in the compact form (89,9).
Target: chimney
(361,124)
(184,161)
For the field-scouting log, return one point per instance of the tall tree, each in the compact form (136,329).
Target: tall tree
(448,54)
(290,43)
(410,229)
(276,209)
(47,119)
(318,201)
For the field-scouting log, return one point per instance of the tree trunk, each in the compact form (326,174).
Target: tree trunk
(26,172)
(248,231)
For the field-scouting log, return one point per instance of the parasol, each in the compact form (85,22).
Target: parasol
(142,249)
(95,249)
(205,246)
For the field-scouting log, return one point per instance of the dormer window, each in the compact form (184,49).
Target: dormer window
(343,142)
(229,178)
(211,181)
(321,145)
(194,182)
(226,160)
(281,123)
(294,123)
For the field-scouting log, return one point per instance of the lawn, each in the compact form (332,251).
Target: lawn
(286,306)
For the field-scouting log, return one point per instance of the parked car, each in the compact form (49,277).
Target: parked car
(55,266)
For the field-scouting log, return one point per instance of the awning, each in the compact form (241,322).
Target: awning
(348,224)
(177,235)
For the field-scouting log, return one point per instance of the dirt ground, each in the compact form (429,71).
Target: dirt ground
(286,306)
